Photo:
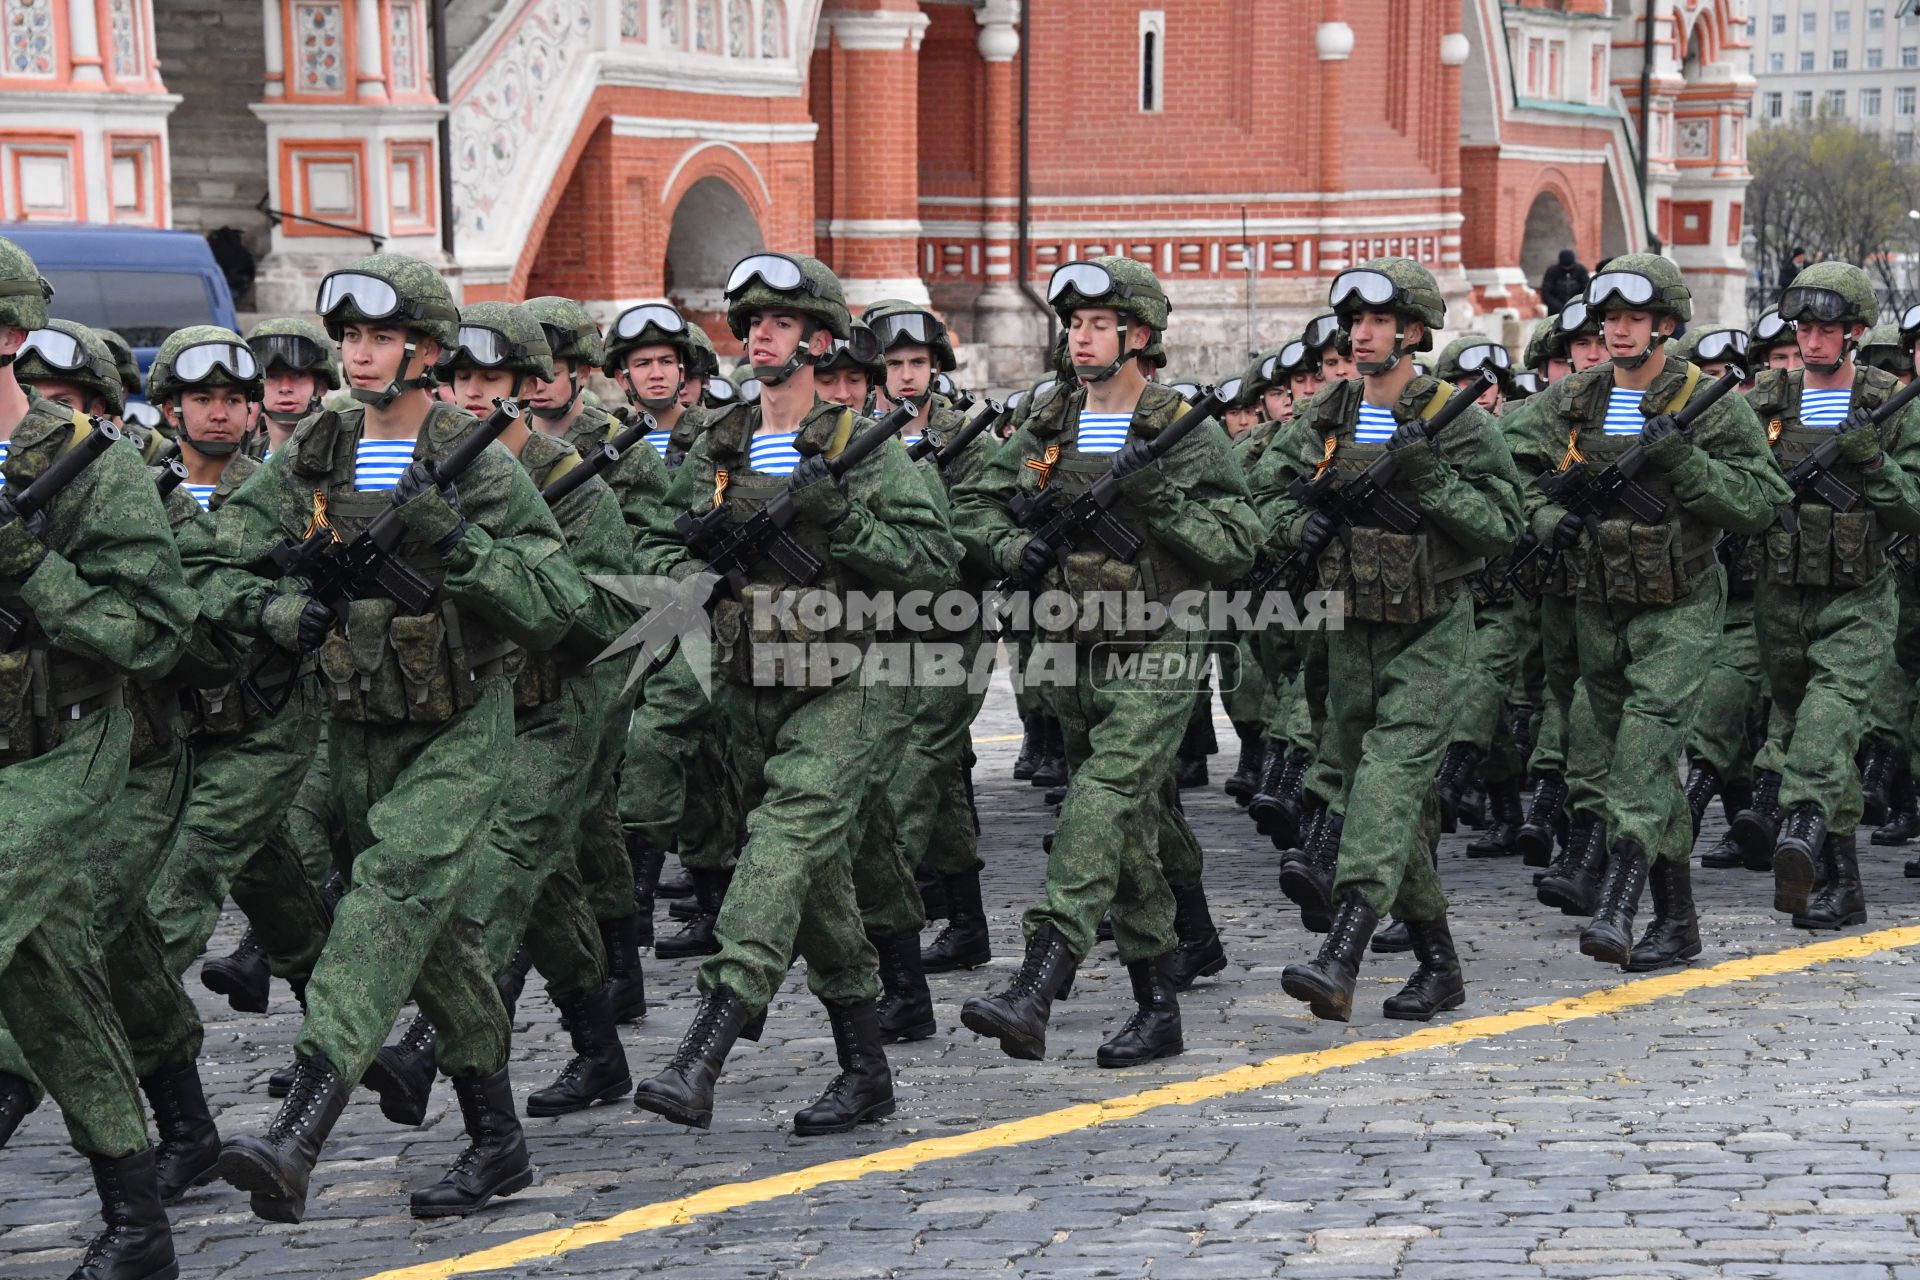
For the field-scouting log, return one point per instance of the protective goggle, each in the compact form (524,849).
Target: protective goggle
(488,348)
(55,349)
(944,386)
(1087,279)
(1772,327)
(1527,382)
(915,328)
(844,353)
(142,414)
(750,390)
(1043,386)
(1322,331)
(635,321)
(371,296)
(720,391)
(1015,400)
(1475,358)
(1186,390)
(1229,391)
(1374,288)
(1722,344)
(1630,287)
(1911,320)
(289,349)
(198,362)
(1804,302)
(776,271)
(1573,318)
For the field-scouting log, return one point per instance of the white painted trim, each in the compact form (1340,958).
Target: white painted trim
(348,117)
(696,73)
(741,131)
(870,228)
(1106,231)
(68,106)
(1547,155)
(1247,197)
(691,152)
(872,30)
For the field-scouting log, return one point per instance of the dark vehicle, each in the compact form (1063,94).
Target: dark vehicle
(141,282)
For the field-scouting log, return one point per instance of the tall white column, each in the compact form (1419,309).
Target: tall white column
(83,27)
(372,51)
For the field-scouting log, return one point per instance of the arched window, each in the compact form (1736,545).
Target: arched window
(1153,57)
(673,23)
(739,30)
(706,26)
(773,30)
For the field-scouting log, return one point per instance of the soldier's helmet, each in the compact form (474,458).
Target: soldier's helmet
(893,322)
(64,351)
(1543,343)
(861,351)
(1640,282)
(1470,353)
(1769,331)
(571,333)
(24,293)
(650,324)
(1125,285)
(1712,346)
(203,355)
(123,359)
(1325,332)
(786,282)
(1884,347)
(500,335)
(1831,292)
(1400,285)
(297,345)
(706,360)
(389,289)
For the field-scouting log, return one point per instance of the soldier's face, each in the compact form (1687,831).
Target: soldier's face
(214,415)
(475,390)
(1374,332)
(1335,367)
(290,392)
(1785,355)
(1714,368)
(690,391)
(1627,333)
(652,373)
(909,372)
(1093,336)
(773,336)
(1824,341)
(1557,368)
(1489,399)
(1587,350)
(64,393)
(1239,421)
(372,356)
(1278,401)
(544,394)
(842,386)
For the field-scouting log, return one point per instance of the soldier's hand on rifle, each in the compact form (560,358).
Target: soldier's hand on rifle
(817,495)
(1036,558)
(21,545)
(1316,534)
(296,623)
(1408,434)
(429,506)
(1859,439)
(1666,446)
(1566,534)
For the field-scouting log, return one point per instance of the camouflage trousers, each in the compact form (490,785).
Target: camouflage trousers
(1390,720)
(1722,733)
(930,790)
(677,789)
(1243,681)
(242,786)
(1643,668)
(312,830)
(605,873)
(527,886)
(1892,710)
(1300,707)
(418,801)
(1824,651)
(1486,681)
(883,880)
(1568,741)
(805,757)
(1123,729)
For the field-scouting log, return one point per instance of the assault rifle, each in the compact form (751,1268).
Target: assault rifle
(46,486)
(1061,522)
(170,475)
(600,459)
(1366,497)
(1585,492)
(989,413)
(1813,474)
(733,548)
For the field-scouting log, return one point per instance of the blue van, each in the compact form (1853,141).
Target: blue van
(140,282)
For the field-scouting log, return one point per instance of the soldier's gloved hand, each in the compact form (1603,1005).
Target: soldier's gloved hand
(1566,534)
(1408,434)
(1131,458)
(429,506)
(1316,533)
(816,494)
(21,541)
(1667,447)
(1859,439)
(1035,559)
(1657,428)
(298,624)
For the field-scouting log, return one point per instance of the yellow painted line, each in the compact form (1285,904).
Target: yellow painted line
(1053,1124)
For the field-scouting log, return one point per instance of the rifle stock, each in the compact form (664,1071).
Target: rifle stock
(600,459)
(38,496)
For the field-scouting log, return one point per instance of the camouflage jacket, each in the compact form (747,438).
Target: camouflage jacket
(1888,488)
(638,480)
(597,538)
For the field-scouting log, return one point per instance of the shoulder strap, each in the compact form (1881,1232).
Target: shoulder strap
(1441,394)
(563,464)
(1687,386)
(82,428)
(842,432)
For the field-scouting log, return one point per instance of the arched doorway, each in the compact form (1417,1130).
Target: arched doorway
(1549,230)
(712,229)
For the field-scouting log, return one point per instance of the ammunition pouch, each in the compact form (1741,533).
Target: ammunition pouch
(43,692)
(394,668)
(1833,550)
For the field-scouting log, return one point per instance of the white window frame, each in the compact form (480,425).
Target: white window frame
(1153,23)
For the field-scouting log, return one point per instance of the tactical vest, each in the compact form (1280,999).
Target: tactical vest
(1832,549)
(1385,576)
(755,623)
(1630,562)
(388,667)
(542,675)
(1092,577)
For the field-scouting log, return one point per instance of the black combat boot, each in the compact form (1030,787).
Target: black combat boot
(1725,854)
(1673,935)
(1190,762)
(241,976)
(695,937)
(963,943)
(1051,771)
(1572,883)
(1326,981)
(1246,775)
(683,1093)
(274,1168)
(1276,806)
(933,896)
(402,1074)
(280,1082)
(138,1241)
(1308,881)
(598,1072)
(1903,823)
(1534,839)
(626,982)
(1032,746)
(1153,1030)
(1840,903)
(1703,784)
(512,980)
(1802,836)
(1877,768)
(16,1104)
(864,1088)
(1503,809)
(906,1006)
(1199,953)
(1393,939)
(647,863)
(1608,938)
(1756,829)
(1437,985)
(1453,780)
(675,885)
(495,1162)
(189,1149)
(1017,1016)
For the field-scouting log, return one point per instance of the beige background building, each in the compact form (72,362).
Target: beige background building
(1854,58)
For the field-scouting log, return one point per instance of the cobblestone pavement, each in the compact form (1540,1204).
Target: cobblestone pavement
(1760,1128)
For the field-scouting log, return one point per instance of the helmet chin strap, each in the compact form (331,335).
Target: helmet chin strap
(1092,373)
(555,413)
(1828,370)
(1374,368)
(1654,343)
(398,387)
(657,405)
(282,418)
(772,375)
(210,448)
